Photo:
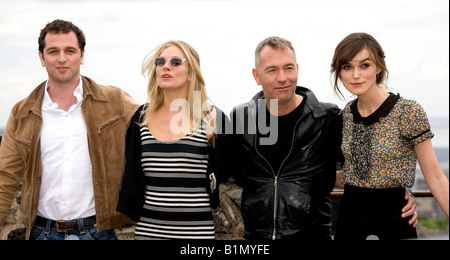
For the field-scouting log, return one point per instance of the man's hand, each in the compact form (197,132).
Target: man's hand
(410,209)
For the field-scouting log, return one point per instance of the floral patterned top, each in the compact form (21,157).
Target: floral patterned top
(379,149)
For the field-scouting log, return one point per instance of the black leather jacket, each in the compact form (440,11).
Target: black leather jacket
(293,201)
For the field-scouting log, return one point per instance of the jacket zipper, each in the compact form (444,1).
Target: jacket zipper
(23,142)
(275,183)
(31,223)
(99,129)
(275,205)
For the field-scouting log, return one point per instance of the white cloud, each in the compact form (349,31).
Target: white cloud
(414,34)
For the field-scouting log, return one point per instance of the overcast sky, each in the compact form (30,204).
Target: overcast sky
(413,33)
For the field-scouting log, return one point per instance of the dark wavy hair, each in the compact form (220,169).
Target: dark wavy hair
(349,47)
(61,26)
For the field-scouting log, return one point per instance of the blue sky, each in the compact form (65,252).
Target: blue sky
(413,33)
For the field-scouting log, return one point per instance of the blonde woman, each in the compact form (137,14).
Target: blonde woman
(171,150)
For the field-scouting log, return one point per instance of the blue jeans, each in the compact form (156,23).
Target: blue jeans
(46,233)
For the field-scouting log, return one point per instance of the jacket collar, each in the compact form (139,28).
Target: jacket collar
(90,88)
(33,103)
(312,103)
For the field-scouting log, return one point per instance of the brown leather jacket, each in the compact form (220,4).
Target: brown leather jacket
(107,112)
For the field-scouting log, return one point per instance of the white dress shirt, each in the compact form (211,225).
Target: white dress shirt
(67,190)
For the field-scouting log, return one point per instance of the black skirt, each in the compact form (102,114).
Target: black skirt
(373,214)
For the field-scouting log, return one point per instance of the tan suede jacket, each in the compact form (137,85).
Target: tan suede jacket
(107,112)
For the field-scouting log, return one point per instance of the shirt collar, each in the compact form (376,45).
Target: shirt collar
(381,112)
(48,104)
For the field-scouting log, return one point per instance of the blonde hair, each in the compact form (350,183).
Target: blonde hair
(196,84)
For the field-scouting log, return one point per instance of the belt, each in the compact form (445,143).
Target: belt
(66,225)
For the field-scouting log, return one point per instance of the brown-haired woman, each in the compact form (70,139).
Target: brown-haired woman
(383,137)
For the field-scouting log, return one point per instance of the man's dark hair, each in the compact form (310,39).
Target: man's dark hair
(61,26)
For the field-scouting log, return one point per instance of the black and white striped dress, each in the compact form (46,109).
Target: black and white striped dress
(177,204)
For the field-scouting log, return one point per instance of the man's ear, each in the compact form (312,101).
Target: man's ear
(256,76)
(41,57)
(82,58)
